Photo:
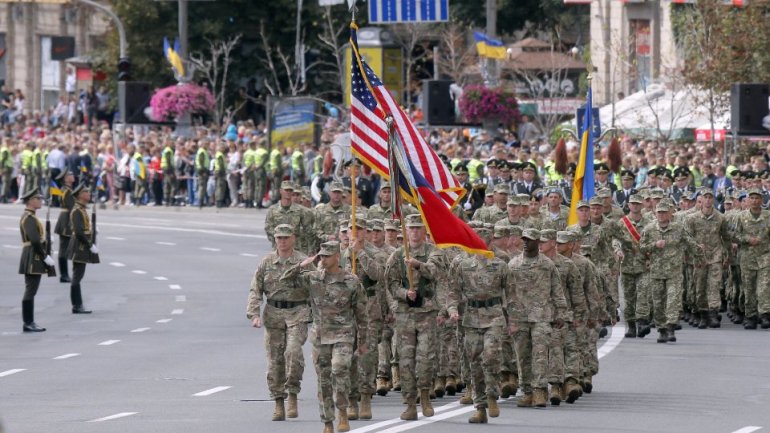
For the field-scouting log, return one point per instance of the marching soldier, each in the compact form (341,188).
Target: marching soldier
(287,212)
(285,319)
(329,215)
(34,259)
(752,237)
(82,250)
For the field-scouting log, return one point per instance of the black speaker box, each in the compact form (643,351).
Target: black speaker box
(133,99)
(749,104)
(439,108)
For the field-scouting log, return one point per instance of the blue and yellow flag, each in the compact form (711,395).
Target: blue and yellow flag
(583,184)
(488,47)
(172,55)
(53,189)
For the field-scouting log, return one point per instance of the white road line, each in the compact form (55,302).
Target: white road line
(67,356)
(117,264)
(210,249)
(163,320)
(177,311)
(13,247)
(161,278)
(249,255)
(108,342)
(747,429)
(174,287)
(10,372)
(615,338)
(212,391)
(137,330)
(116,416)
(139,271)
(170,244)
(113,238)
(180,229)
(180,298)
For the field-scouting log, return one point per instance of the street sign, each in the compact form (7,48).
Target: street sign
(408,11)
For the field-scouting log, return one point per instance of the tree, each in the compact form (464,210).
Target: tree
(214,68)
(455,54)
(413,39)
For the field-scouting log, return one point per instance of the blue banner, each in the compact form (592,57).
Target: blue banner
(408,11)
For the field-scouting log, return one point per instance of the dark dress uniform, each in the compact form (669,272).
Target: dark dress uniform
(31,265)
(64,231)
(80,253)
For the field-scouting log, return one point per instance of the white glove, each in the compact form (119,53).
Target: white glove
(467,206)
(94,249)
(49,261)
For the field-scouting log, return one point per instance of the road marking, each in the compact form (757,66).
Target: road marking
(10,372)
(615,338)
(177,311)
(180,229)
(161,278)
(113,238)
(747,429)
(116,416)
(138,330)
(170,244)
(67,356)
(163,320)
(212,391)
(210,249)
(117,264)
(174,287)
(249,255)
(180,298)
(13,247)
(108,343)
(138,271)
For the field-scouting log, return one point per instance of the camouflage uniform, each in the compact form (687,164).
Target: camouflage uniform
(449,353)
(339,319)
(327,220)
(297,216)
(285,318)
(633,272)
(712,234)
(490,214)
(481,283)
(386,355)
(754,262)
(596,312)
(554,222)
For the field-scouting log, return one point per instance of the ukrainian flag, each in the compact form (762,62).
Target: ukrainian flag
(488,47)
(53,189)
(172,55)
(583,184)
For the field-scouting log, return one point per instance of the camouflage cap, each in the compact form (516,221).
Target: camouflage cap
(583,203)
(414,220)
(596,201)
(547,235)
(503,188)
(663,206)
(360,222)
(501,231)
(706,190)
(287,185)
(515,231)
(393,225)
(376,225)
(554,190)
(563,237)
(337,186)
(489,192)
(512,201)
(284,231)
(533,234)
(636,198)
(604,193)
(657,193)
(728,199)
(329,248)
(754,191)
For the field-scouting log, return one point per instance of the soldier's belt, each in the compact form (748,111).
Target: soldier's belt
(286,304)
(485,303)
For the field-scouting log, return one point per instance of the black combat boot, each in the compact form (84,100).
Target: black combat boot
(662,335)
(750,323)
(631,333)
(703,322)
(764,321)
(714,319)
(644,328)
(671,335)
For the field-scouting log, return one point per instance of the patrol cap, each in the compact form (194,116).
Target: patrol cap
(503,188)
(287,185)
(376,225)
(537,194)
(563,237)
(596,201)
(489,192)
(657,193)
(663,206)
(336,186)
(385,185)
(414,220)
(553,190)
(515,231)
(583,203)
(284,231)
(78,189)
(636,198)
(728,199)
(392,225)
(329,248)
(547,235)
(501,231)
(344,225)
(33,193)
(533,234)
(360,222)
(754,191)
(604,193)
(512,201)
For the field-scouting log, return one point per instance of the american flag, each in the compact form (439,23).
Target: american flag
(370,103)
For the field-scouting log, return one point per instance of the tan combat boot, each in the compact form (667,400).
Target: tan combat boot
(539,397)
(505,389)
(494,409)
(410,414)
(365,411)
(451,385)
(353,411)
(572,391)
(343,424)
(556,392)
(382,386)
(279,414)
(427,407)
(291,408)
(525,400)
(438,386)
(395,378)
(467,398)
(480,417)
(328,427)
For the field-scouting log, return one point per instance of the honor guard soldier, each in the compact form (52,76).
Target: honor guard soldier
(602,173)
(82,250)
(622,195)
(34,258)
(66,179)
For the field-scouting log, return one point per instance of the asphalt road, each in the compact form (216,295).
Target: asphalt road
(168,349)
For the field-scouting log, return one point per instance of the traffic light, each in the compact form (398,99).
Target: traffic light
(124,69)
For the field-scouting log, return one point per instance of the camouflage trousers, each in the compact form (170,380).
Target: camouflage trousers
(417,341)
(735,295)
(635,293)
(249,178)
(666,299)
(688,287)
(260,185)
(169,188)
(332,366)
(531,342)
(482,347)
(203,181)
(276,178)
(5,183)
(465,365)
(140,187)
(556,355)
(449,353)
(589,342)
(573,362)
(508,356)
(707,281)
(611,289)
(285,360)
(755,285)
(363,369)
(384,352)
(220,193)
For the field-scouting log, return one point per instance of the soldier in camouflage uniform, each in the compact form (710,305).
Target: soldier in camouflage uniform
(385,348)
(752,234)
(509,371)
(416,307)
(449,353)
(535,302)
(287,212)
(554,215)
(285,318)
(666,243)
(497,211)
(710,230)
(480,284)
(733,292)
(339,322)
(329,215)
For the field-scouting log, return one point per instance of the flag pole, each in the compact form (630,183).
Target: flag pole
(353,206)
(397,208)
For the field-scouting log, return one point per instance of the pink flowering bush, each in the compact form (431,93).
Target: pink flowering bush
(170,102)
(481,104)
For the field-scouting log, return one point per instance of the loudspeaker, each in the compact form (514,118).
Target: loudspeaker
(439,108)
(749,104)
(133,99)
